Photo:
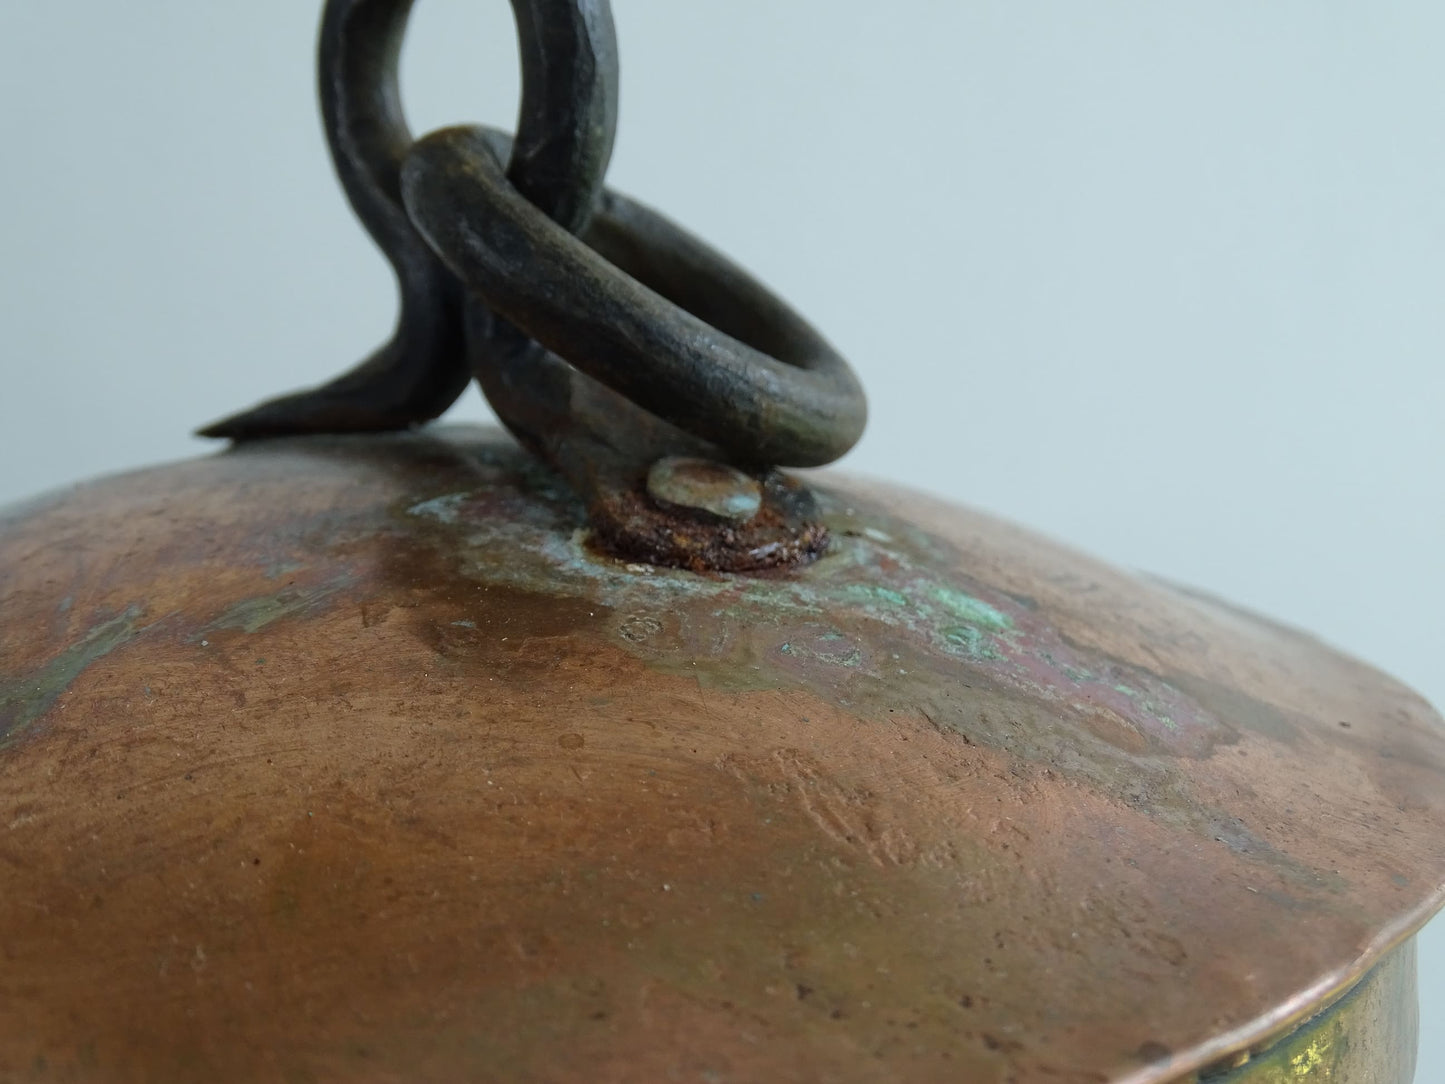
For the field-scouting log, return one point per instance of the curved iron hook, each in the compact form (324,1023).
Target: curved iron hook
(564,141)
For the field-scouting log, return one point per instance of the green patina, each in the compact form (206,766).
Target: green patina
(885,623)
(971,642)
(832,648)
(866,594)
(24,700)
(975,611)
(746,633)
(251,615)
(879,571)
(254,614)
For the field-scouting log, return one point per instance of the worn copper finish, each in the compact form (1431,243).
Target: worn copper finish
(1368,1037)
(350,759)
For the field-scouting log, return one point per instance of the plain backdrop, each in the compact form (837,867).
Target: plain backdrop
(1163,280)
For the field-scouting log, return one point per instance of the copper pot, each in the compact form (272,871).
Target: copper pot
(356,755)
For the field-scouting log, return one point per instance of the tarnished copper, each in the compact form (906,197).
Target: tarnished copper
(352,759)
(1367,1037)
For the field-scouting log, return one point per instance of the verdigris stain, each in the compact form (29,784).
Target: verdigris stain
(885,625)
(879,571)
(253,614)
(25,699)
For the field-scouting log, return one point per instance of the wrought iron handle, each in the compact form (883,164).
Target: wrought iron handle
(706,360)
(791,400)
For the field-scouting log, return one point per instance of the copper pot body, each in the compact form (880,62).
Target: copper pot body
(348,759)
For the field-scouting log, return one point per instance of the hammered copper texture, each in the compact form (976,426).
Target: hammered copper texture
(345,759)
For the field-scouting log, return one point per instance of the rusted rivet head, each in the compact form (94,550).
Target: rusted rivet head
(700,485)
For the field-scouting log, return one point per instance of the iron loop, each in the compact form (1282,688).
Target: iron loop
(564,141)
(648,310)
(647,343)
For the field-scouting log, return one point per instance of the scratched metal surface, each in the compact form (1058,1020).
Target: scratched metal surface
(347,759)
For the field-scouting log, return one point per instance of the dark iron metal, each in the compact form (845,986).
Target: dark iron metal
(792,400)
(602,352)
(605,444)
(564,141)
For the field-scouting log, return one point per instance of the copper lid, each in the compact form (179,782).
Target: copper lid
(346,758)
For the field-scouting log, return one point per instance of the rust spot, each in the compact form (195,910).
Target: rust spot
(630,525)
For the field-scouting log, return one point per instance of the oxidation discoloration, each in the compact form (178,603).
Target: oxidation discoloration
(952,803)
(27,697)
(884,623)
(880,576)
(1368,1035)
(254,614)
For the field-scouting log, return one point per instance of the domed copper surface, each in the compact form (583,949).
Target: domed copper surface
(346,759)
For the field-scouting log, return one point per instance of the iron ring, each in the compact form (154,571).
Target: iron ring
(640,305)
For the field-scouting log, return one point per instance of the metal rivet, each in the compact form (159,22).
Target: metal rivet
(700,485)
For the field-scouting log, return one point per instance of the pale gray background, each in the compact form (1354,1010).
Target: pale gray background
(1164,280)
